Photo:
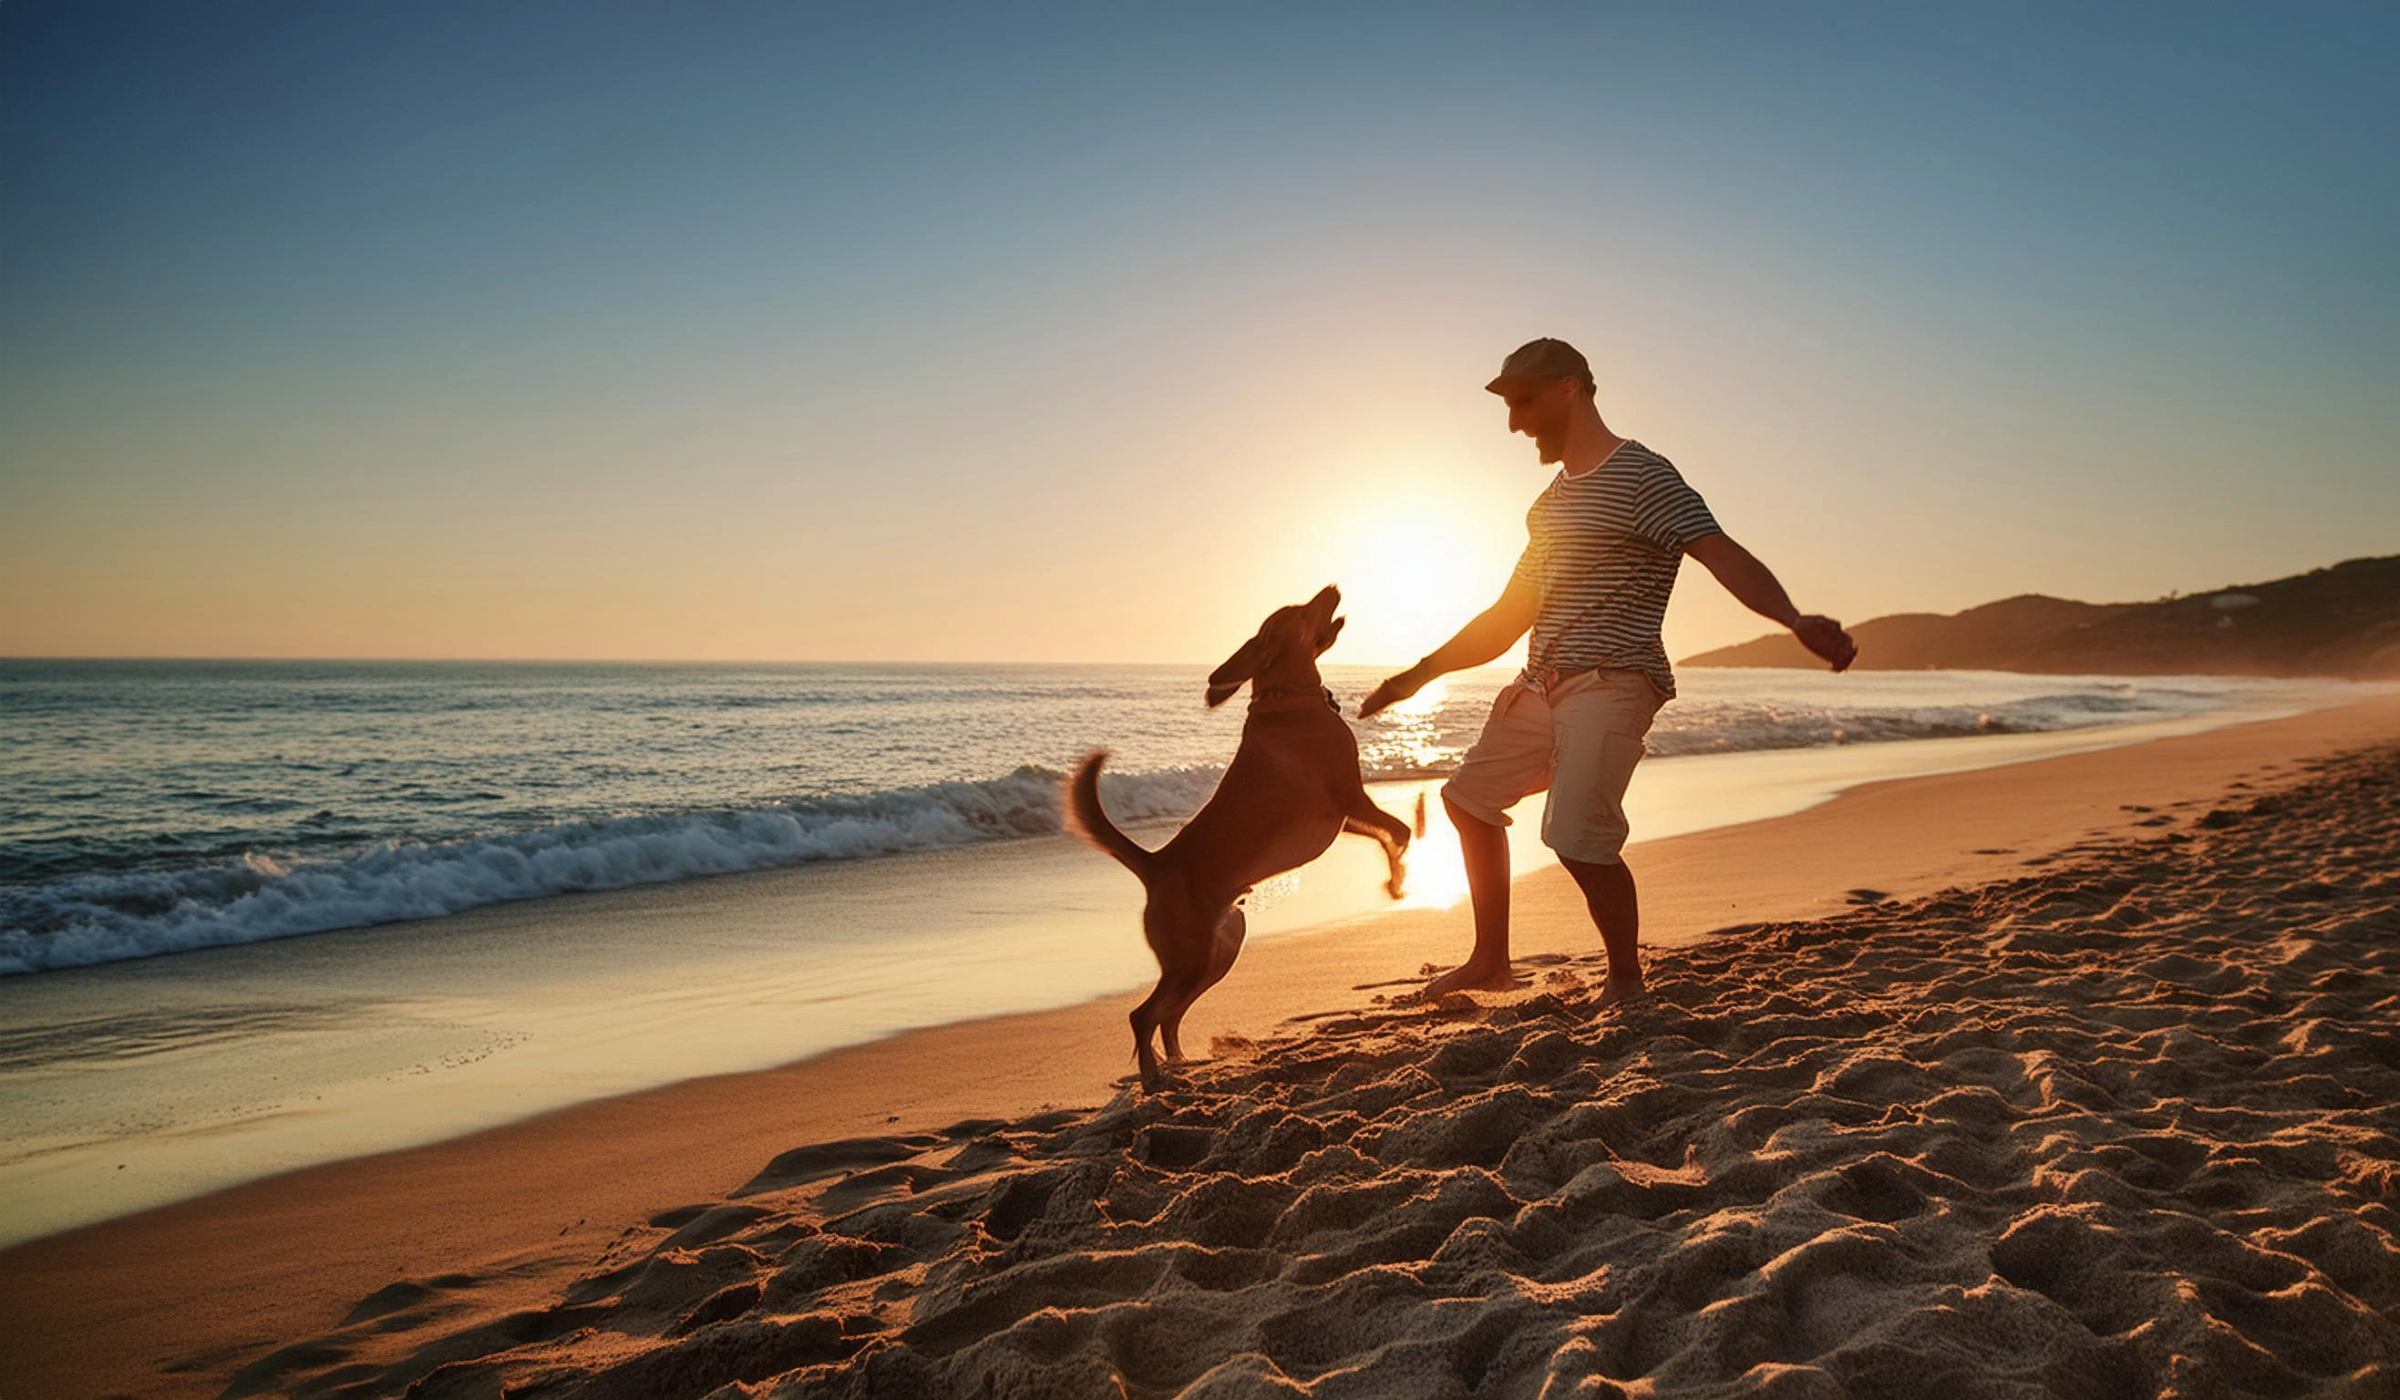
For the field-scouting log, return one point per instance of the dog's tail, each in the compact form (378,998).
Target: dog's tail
(1086,819)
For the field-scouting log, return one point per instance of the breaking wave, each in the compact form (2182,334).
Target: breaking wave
(102,918)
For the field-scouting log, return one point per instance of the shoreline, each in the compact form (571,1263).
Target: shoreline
(141,1084)
(172,1300)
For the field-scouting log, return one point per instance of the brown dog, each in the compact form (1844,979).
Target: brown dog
(1292,787)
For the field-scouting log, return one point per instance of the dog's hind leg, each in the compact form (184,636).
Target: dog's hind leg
(1144,1019)
(1228,946)
(1170,1021)
(1366,819)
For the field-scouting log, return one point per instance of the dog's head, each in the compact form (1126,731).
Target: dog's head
(1284,651)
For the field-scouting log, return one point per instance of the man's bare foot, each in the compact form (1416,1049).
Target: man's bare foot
(1617,993)
(1473,977)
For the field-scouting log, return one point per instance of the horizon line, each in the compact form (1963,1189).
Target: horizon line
(660,661)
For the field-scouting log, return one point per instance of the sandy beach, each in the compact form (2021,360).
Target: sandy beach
(638,636)
(2069,1077)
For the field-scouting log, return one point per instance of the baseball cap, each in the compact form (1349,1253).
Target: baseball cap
(1542,359)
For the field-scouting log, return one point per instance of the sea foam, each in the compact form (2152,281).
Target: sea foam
(103,918)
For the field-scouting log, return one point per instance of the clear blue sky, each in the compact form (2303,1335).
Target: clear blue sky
(992,332)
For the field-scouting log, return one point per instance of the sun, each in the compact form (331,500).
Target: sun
(1410,578)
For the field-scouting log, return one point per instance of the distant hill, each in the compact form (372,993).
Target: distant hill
(2343,621)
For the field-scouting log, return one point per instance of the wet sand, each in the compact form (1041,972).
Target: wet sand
(951,1155)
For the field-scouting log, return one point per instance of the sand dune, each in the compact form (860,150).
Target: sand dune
(2122,1126)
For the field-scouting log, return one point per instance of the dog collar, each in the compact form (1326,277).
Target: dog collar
(1324,693)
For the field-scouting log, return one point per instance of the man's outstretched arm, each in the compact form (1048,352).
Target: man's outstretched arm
(1754,584)
(1493,631)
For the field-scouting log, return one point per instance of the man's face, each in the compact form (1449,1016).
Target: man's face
(1539,411)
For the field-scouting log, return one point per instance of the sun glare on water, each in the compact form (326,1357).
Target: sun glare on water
(1412,720)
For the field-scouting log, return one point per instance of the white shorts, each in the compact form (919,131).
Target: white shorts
(1580,742)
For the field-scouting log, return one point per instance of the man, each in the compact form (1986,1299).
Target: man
(1606,538)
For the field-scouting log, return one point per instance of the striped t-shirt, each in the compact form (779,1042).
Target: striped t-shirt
(1604,549)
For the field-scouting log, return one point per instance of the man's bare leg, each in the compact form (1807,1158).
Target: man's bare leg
(1609,893)
(1485,849)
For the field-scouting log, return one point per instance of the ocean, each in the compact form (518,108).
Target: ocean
(155,807)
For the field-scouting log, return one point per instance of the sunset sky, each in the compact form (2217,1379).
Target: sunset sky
(997,332)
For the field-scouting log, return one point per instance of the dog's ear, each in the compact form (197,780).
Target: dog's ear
(1239,667)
